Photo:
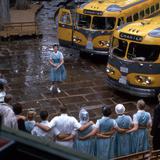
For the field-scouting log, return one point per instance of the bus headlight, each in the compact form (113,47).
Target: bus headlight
(110,70)
(148,81)
(76,39)
(104,43)
(155,33)
(143,80)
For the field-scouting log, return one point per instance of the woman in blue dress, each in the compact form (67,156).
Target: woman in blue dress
(140,135)
(58,72)
(87,145)
(123,140)
(105,135)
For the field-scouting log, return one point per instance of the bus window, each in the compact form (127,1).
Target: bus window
(157,6)
(142,52)
(152,9)
(147,11)
(135,17)
(129,19)
(141,14)
(120,47)
(120,21)
(104,23)
(83,20)
(65,18)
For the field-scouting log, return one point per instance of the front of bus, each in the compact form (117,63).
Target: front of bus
(134,63)
(94,27)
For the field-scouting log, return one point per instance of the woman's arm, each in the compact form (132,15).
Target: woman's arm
(135,127)
(83,127)
(107,133)
(65,137)
(122,130)
(70,137)
(61,62)
(51,63)
(43,127)
(92,133)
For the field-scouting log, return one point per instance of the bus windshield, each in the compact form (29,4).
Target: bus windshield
(83,20)
(142,52)
(119,47)
(103,23)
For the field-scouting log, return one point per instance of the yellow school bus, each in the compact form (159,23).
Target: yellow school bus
(134,60)
(89,28)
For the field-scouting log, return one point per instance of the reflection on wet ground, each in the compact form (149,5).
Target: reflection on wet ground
(25,65)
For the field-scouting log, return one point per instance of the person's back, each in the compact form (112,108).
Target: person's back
(105,146)
(87,145)
(142,122)
(30,122)
(124,121)
(8,116)
(122,139)
(65,123)
(17,108)
(44,120)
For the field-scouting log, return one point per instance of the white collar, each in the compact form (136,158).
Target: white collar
(120,115)
(105,117)
(140,111)
(64,114)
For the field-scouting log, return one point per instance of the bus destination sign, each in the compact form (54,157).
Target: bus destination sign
(92,12)
(131,37)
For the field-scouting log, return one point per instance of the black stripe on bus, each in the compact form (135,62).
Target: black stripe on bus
(93,34)
(135,67)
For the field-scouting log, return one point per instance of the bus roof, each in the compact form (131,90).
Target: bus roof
(146,27)
(111,5)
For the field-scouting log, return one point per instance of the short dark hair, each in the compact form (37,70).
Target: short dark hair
(55,45)
(1,86)
(17,108)
(8,98)
(63,109)
(43,115)
(106,110)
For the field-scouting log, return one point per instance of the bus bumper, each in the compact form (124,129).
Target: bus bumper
(97,52)
(140,92)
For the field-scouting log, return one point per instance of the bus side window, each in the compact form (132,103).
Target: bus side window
(65,18)
(141,14)
(152,9)
(135,16)
(129,19)
(120,21)
(147,11)
(157,6)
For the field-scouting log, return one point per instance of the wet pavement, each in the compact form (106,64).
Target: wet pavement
(25,64)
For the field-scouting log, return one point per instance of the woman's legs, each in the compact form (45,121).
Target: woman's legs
(58,90)
(54,87)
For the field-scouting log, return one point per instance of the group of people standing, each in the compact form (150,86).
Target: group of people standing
(107,138)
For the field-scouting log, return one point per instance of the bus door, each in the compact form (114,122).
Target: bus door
(65,27)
